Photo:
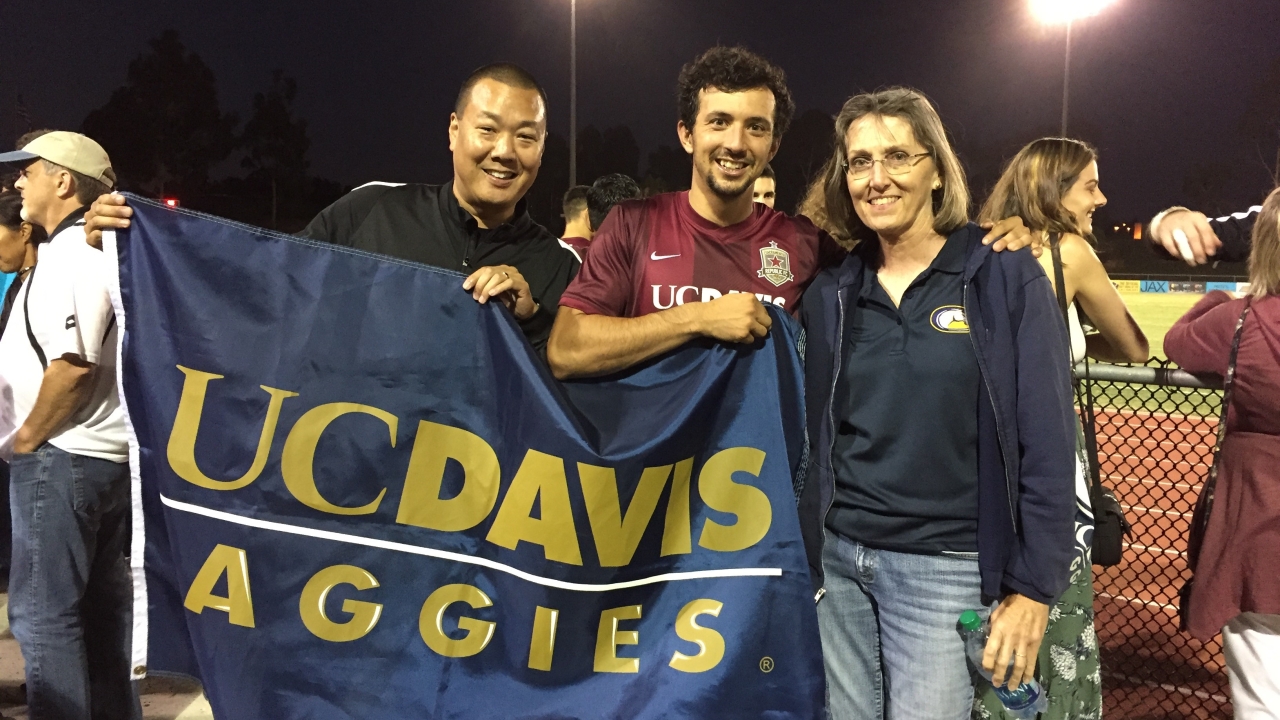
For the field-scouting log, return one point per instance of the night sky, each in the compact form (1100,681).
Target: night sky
(1157,85)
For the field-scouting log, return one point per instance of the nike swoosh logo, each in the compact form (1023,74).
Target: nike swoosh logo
(656,256)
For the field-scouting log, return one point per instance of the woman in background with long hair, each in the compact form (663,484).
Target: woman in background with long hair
(1053,185)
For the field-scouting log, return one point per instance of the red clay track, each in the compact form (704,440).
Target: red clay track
(1155,463)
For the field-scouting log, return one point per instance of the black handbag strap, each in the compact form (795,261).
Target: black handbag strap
(26,314)
(1084,390)
(1055,247)
(1228,385)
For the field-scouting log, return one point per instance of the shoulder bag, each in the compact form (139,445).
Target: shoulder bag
(1204,504)
(1110,526)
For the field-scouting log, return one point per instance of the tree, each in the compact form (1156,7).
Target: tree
(612,151)
(669,169)
(800,158)
(276,143)
(163,128)
(544,198)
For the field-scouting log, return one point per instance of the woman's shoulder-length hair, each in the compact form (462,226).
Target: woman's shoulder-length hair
(1035,181)
(1264,255)
(950,202)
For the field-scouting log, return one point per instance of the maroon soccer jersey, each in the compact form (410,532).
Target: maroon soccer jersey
(657,253)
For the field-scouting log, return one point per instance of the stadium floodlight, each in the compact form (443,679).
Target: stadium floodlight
(1066,12)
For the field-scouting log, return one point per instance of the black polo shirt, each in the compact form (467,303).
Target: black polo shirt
(906,407)
(425,224)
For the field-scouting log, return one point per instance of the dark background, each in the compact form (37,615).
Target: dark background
(1182,97)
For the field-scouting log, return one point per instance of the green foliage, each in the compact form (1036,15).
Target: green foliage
(163,128)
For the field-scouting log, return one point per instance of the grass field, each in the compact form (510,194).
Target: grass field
(1157,312)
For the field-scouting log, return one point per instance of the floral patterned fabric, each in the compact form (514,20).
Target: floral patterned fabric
(1069,668)
(1068,662)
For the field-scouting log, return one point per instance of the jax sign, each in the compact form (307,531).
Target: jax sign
(358,493)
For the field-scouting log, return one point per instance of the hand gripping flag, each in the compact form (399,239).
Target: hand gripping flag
(359,494)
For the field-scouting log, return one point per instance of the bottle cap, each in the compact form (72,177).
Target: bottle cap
(969,620)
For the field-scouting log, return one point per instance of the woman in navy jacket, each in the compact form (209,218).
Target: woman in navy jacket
(940,423)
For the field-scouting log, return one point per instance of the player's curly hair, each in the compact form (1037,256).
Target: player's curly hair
(733,69)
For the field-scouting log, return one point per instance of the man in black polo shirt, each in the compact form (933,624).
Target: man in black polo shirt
(477,224)
(907,501)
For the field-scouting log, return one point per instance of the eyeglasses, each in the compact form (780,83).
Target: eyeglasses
(895,163)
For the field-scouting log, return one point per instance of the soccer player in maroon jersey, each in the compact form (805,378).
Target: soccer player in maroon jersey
(672,267)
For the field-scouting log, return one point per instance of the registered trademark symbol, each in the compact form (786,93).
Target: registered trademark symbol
(766,664)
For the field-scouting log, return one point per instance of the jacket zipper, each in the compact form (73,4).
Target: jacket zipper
(831,417)
(466,251)
(994,410)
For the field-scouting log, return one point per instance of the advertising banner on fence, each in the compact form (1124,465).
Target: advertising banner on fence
(359,494)
(1155,286)
(1127,286)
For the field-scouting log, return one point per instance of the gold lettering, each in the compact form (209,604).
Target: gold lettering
(298,458)
(609,637)
(364,615)
(747,502)
(617,536)
(182,439)
(710,643)
(478,633)
(540,479)
(543,643)
(678,529)
(420,503)
(238,604)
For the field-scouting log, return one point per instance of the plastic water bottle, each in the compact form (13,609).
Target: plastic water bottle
(1028,700)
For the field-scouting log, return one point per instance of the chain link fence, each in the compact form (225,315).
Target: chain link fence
(1156,427)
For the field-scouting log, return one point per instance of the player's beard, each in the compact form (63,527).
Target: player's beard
(725,191)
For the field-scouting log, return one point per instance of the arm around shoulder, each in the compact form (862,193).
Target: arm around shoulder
(1047,434)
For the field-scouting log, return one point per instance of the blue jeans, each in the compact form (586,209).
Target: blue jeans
(69,593)
(890,632)
(6,529)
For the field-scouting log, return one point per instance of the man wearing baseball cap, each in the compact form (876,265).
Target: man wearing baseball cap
(69,592)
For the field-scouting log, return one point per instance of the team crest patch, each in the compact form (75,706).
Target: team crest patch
(775,264)
(949,319)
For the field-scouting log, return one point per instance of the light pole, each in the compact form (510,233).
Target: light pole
(1066,80)
(1066,12)
(573,93)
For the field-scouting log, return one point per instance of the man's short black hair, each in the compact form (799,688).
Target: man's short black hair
(768,173)
(733,69)
(27,137)
(607,191)
(575,201)
(503,72)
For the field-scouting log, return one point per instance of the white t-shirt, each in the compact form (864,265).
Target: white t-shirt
(66,299)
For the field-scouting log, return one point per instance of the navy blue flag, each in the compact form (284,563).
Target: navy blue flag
(359,494)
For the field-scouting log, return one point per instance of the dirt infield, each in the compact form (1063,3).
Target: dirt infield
(1155,463)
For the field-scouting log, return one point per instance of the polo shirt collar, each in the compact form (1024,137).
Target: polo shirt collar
(518,223)
(950,259)
(72,218)
(952,256)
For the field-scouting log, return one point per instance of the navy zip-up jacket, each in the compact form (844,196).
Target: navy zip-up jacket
(1026,420)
